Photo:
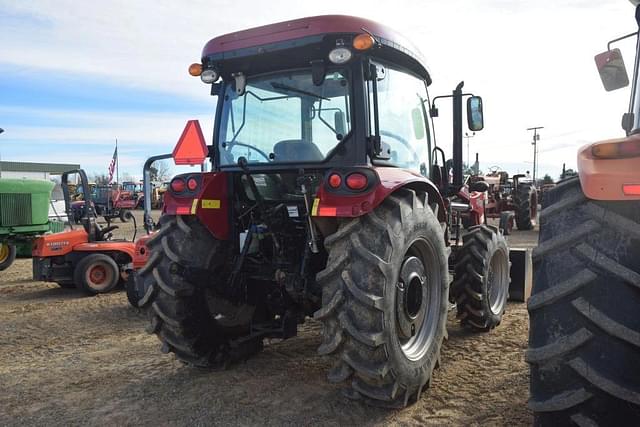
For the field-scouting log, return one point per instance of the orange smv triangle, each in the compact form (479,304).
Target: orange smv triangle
(191,148)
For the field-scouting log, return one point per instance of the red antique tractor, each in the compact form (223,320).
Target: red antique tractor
(512,200)
(328,197)
(584,335)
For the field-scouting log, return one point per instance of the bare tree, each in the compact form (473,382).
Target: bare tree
(160,171)
(100,178)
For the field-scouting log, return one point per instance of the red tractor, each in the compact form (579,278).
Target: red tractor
(584,335)
(327,198)
(510,199)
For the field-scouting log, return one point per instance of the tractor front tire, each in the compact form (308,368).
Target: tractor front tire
(96,274)
(200,328)
(481,285)
(384,301)
(7,255)
(584,335)
(526,201)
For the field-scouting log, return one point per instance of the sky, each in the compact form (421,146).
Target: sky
(75,75)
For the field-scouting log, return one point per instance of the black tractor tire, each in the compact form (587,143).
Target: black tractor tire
(134,290)
(481,283)
(200,328)
(526,202)
(507,220)
(96,274)
(384,300)
(7,255)
(125,215)
(584,335)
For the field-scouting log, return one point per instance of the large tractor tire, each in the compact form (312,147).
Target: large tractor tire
(384,301)
(200,328)
(481,285)
(7,255)
(526,201)
(584,336)
(96,274)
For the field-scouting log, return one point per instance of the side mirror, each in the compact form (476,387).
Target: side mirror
(612,70)
(475,119)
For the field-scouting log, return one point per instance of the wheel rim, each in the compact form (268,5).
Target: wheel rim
(496,288)
(4,252)
(418,298)
(99,276)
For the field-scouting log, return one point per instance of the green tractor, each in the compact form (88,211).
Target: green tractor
(24,214)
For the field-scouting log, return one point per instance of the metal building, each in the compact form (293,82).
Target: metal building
(30,170)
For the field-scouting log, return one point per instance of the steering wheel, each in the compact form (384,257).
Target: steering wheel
(229,146)
(402,141)
(494,169)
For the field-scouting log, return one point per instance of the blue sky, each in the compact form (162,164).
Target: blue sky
(76,75)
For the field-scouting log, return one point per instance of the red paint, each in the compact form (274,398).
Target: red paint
(304,27)
(126,247)
(141,254)
(391,179)
(214,187)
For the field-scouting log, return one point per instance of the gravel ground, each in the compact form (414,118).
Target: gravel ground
(66,359)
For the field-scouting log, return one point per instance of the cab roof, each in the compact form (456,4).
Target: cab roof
(250,40)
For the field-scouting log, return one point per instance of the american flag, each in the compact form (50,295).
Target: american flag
(112,165)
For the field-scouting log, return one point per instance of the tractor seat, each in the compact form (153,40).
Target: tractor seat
(296,150)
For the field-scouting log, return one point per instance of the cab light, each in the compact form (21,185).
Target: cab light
(631,189)
(195,69)
(192,184)
(340,55)
(335,180)
(356,181)
(616,150)
(177,185)
(209,76)
(363,42)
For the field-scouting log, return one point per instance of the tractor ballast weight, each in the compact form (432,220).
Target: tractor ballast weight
(584,323)
(319,205)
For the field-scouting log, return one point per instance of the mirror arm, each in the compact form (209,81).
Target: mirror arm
(620,38)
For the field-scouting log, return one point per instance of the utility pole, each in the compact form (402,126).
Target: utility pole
(466,135)
(536,138)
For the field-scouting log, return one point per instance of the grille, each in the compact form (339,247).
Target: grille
(15,209)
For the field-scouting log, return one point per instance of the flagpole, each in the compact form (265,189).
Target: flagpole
(117,164)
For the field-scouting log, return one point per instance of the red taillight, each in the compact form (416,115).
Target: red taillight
(192,184)
(335,180)
(357,181)
(631,189)
(178,185)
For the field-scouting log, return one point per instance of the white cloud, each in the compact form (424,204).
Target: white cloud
(531,61)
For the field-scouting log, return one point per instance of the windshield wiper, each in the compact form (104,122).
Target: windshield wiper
(281,86)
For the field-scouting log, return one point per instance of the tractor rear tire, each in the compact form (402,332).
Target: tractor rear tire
(134,289)
(526,201)
(481,285)
(7,255)
(96,274)
(200,328)
(584,336)
(384,301)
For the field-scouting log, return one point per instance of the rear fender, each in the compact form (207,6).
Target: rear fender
(603,179)
(210,203)
(331,204)
(58,244)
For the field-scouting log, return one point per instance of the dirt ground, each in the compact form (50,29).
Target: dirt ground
(66,359)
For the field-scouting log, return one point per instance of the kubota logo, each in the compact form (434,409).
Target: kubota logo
(58,244)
